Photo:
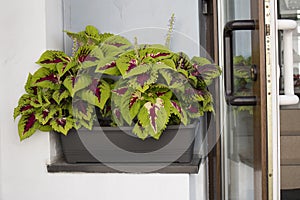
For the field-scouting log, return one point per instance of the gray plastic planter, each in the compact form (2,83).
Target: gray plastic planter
(119,145)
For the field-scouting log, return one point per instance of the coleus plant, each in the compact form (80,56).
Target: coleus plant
(63,92)
(144,86)
(159,87)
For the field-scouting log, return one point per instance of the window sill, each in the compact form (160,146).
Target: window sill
(188,168)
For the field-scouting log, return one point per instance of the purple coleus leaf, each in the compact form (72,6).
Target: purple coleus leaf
(182,61)
(193,109)
(86,57)
(205,68)
(159,94)
(56,60)
(132,65)
(108,66)
(133,100)
(81,106)
(117,113)
(143,78)
(175,105)
(50,59)
(29,124)
(120,91)
(74,80)
(95,89)
(189,92)
(152,111)
(45,113)
(51,77)
(152,55)
(25,108)
(61,122)
(116,44)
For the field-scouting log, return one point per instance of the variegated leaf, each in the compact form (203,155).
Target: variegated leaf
(50,59)
(60,94)
(205,69)
(28,124)
(74,84)
(97,93)
(46,114)
(82,110)
(62,124)
(45,78)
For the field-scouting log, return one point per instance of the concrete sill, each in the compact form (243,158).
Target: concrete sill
(62,166)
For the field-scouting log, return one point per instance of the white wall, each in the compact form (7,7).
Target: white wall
(23,173)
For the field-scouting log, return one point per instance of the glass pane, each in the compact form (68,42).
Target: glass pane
(238,137)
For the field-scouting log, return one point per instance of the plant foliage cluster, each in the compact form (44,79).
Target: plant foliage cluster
(144,86)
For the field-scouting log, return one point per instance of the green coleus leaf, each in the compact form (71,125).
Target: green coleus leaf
(153,54)
(82,110)
(134,106)
(45,128)
(153,117)
(27,126)
(23,109)
(174,80)
(108,67)
(146,56)
(205,69)
(24,105)
(200,61)
(63,68)
(106,59)
(74,84)
(143,81)
(45,78)
(179,111)
(88,124)
(62,124)
(127,62)
(59,95)
(92,31)
(46,114)
(29,88)
(50,59)
(90,36)
(140,131)
(41,99)
(121,101)
(194,111)
(83,54)
(182,61)
(118,41)
(139,70)
(97,93)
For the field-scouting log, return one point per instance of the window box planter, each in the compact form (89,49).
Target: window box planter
(119,145)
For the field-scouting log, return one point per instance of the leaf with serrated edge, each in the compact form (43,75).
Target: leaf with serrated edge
(45,114)
(62,125)
(75,84)
(45,78)
(50,59)
(157,115)
(27,126)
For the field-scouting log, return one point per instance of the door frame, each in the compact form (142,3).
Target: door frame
(266,147)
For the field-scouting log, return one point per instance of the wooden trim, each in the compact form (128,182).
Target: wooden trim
(214,157)
(260,113)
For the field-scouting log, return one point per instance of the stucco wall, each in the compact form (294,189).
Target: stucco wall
(23,175)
